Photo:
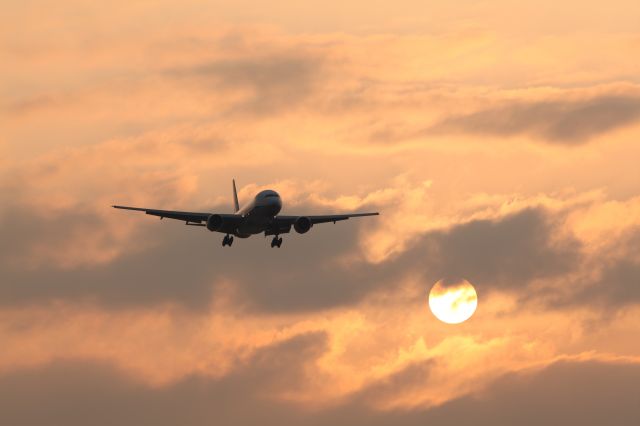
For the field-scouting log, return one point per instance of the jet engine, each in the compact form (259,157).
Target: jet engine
(214,222)
(302,224)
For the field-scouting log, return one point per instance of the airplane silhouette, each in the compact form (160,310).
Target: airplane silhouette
(258,216)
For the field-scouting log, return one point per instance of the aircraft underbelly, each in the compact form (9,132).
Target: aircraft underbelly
(256,221)
(250,228)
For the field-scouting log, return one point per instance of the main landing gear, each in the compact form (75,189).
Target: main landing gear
(227,241)
(276,242)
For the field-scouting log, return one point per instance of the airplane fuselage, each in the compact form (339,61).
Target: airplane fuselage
(257,216)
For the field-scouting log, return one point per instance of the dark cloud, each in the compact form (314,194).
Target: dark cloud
(561,122)
(617,286)
(276,81)
(82,392)
(21,229)
(620,284)
(502,254)
(612,284)
(188,264)
(183,267)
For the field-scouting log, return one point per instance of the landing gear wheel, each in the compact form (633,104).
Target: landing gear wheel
(279,242)
(276,242)
(227,241)
(230,241)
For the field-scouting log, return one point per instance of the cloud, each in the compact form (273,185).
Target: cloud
(82,252)
(502,254)
(564,122)
(76,392)
(570,392)
(188,266)
(619,285)
(615,286)
(412,378)
(275,81)
(585,393)
(609,279)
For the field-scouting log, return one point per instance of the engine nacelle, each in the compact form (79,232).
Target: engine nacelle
(302,225)
(215,222)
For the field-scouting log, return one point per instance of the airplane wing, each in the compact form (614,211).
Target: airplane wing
(280,224)
(324,218)
(188,217)
(283,224)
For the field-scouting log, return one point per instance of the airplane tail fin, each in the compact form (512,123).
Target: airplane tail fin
(236,205)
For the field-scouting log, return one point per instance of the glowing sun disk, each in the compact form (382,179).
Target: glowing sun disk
(453,304)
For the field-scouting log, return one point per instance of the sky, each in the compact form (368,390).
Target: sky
(499,140)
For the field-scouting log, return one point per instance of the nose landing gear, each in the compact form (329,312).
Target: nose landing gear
(227,241)
(276,242)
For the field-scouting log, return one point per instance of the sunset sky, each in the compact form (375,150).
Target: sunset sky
(499,140)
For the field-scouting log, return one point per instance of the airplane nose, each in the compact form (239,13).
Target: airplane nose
(276,204)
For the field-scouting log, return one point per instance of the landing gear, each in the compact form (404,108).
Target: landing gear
(276,242)
(227,241)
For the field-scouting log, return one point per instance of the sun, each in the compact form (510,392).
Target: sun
(453,303)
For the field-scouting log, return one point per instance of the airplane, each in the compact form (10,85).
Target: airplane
(258,216)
